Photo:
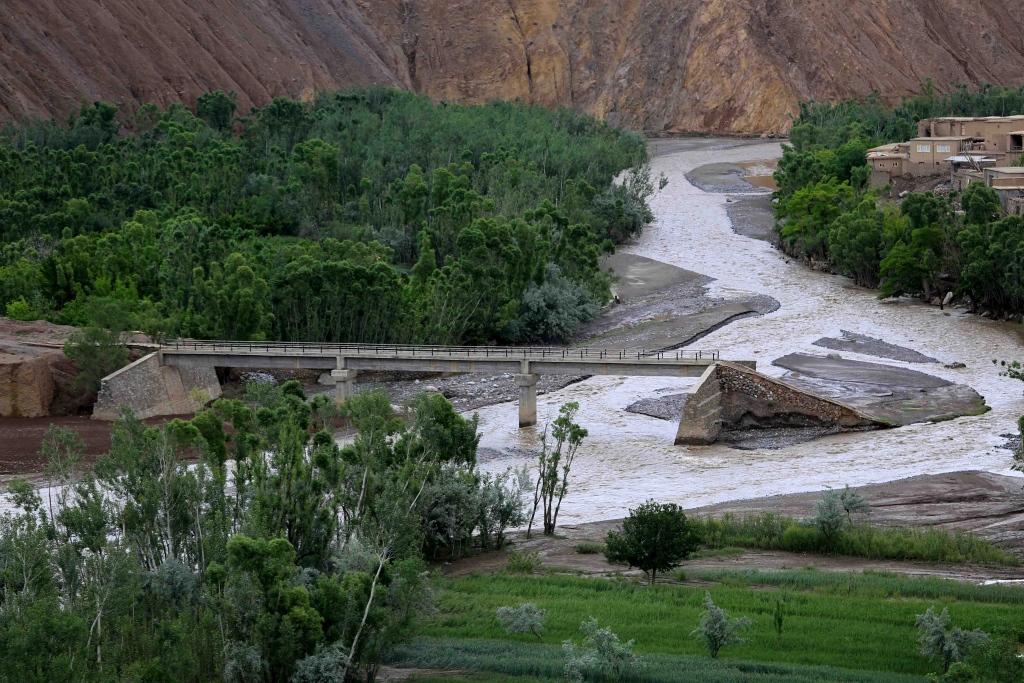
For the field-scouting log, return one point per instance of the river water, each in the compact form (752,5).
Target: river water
(629,458)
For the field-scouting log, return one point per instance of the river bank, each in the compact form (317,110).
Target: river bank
(981,503)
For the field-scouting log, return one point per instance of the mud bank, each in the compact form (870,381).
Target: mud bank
(21,439)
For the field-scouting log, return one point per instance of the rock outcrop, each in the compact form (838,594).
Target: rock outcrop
(35,375)
(26,386)
(736,66)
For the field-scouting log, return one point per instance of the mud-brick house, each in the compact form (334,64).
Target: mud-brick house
(1008,183)
(960,146)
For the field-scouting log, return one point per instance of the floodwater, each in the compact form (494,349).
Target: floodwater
(629,458)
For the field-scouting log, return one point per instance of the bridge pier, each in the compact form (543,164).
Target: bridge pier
(527,399)
(344,384)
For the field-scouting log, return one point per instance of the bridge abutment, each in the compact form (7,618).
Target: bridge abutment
(527,399)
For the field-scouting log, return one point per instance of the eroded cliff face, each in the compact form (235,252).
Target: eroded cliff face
(735,66)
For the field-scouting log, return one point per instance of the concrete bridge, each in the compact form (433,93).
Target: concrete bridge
(164,382)
(179,378)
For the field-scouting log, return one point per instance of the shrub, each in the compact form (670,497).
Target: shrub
(590,548)
(601,655)
(799,538)
(523,563)
(939,639)
(655,537)
(830,517)
(501,506)
(328,665)
(853,503)
(551,312)
(527,618)
(20,309)
(779,615)
(716,629)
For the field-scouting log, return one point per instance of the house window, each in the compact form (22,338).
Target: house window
(943,149)
(924,149)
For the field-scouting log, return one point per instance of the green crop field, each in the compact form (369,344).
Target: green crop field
(842,627)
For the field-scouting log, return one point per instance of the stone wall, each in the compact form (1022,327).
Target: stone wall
(150,389)
(730,396)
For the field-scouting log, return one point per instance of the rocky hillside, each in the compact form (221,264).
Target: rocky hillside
(737,66)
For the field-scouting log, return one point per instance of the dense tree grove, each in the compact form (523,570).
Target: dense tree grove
(367,215)
(276,556)
(925,245)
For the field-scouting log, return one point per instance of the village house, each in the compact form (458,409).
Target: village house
(1008,183)
(960,146)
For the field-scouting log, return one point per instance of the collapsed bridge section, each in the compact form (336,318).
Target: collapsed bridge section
(731,396)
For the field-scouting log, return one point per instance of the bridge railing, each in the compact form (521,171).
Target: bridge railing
(510,352)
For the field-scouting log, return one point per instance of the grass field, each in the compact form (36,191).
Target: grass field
(859,627)
(773,532)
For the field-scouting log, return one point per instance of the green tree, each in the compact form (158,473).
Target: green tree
(655,537)
(217,109)
(554,463)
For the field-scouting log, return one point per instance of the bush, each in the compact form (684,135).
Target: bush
(939,639)
(527,618)
(523,563)
(774,532)
(830,517)
(716,629)
(798,538)
(590,548)
(551,312)
(20,309)
(601,655)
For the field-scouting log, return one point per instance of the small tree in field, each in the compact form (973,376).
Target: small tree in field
(853,503)
(601,656)
(939,639)
(655,537)
(830,517)
(553,465)
(527,618)
(716,629)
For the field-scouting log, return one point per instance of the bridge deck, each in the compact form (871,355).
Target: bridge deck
(524,360)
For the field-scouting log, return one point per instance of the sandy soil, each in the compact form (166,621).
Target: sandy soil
(985,504)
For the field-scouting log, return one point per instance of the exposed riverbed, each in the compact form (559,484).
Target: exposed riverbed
(629,458)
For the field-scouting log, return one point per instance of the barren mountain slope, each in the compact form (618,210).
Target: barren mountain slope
(659,65)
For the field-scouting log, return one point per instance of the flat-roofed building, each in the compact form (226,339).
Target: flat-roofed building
(887,162)
(996,134)
(1008,182)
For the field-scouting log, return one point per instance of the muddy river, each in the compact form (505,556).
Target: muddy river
(629,458)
